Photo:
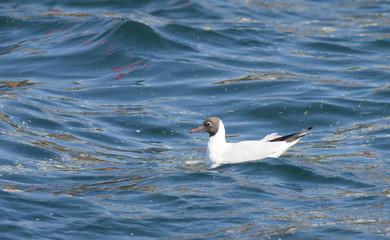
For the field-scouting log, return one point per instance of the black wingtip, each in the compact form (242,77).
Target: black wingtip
(292,137)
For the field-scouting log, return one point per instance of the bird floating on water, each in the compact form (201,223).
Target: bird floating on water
(221,152)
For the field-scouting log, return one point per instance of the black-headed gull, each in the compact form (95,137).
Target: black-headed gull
(221,152)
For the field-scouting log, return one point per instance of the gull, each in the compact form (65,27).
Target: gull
(221,152)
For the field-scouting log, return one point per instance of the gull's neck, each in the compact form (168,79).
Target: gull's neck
(216,145)
(220,135)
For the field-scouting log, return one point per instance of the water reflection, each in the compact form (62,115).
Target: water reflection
(17,84)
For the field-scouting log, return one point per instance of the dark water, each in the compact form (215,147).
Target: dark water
(97,98)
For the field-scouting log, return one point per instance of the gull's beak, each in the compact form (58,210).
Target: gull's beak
(201,128)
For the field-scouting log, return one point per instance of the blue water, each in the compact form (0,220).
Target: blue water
(97,98)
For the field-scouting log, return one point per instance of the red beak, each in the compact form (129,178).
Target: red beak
(197,129)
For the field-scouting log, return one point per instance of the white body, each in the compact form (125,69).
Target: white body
(220,152)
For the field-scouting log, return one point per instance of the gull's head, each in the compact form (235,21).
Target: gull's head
(210,125)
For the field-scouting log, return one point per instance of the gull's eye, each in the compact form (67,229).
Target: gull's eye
(208,124)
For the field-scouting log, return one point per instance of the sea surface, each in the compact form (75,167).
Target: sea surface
(97,99)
